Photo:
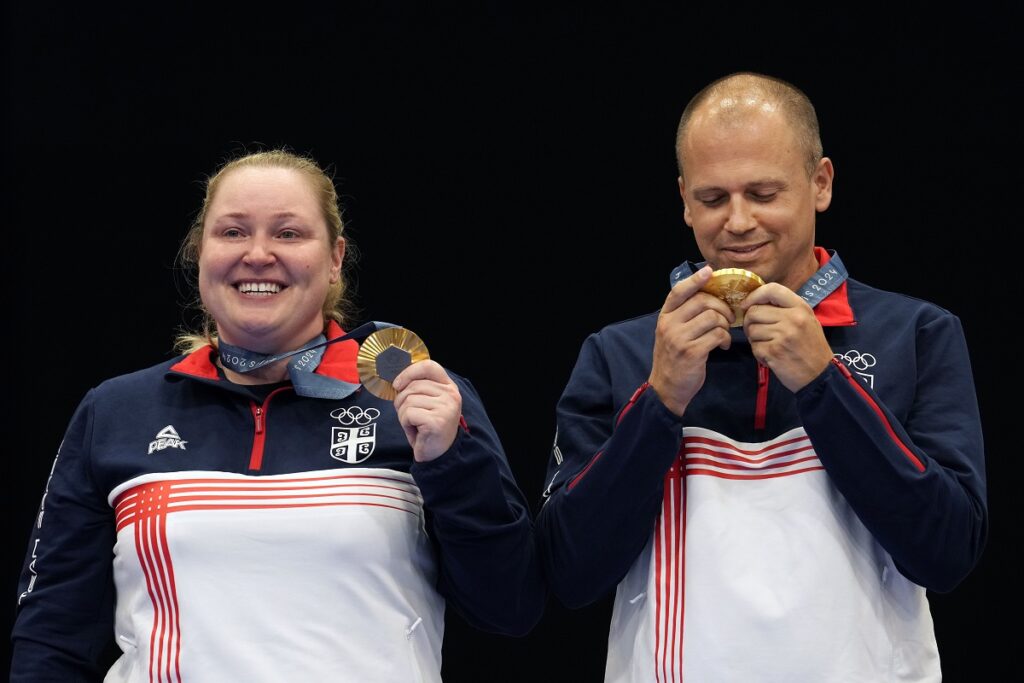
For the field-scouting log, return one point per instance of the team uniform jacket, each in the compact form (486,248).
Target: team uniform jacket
(770,536)
(218,535)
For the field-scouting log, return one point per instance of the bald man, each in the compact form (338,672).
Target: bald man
(769,484)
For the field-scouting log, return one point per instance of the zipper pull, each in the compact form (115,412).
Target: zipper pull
(762,396)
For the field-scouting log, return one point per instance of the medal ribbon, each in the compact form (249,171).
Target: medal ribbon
(300,370)
(824,281)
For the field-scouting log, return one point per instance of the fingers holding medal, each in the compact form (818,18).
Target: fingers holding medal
(427,401)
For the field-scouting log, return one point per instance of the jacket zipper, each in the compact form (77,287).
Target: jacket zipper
(259,417)
(629,404)
(858,386)
(762,396)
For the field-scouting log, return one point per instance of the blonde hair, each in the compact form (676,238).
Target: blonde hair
(336,306)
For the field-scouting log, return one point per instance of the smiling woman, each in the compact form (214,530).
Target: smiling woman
(251,491)
(269,248)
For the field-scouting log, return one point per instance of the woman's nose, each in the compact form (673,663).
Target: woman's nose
(260,251)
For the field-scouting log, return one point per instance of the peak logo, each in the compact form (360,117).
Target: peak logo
(167,438)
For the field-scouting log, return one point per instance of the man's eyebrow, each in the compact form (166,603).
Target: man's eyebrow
(773,183)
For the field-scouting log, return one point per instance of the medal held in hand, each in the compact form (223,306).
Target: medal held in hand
(732,285)
(383,355)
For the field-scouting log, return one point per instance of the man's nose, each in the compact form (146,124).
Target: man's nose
(741,217)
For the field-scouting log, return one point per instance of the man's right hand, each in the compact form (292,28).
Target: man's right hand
(690,325)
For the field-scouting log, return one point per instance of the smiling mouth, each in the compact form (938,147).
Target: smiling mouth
(744,249)
(259,288)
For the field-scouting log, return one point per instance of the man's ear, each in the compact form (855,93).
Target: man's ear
(822,181)
(686,207)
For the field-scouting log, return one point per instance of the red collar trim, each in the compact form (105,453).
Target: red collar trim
(339,360)
(199,364)
(834,310)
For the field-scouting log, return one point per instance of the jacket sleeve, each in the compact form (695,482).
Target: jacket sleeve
(606,480)
(65,602)
(490,571)
(919,486)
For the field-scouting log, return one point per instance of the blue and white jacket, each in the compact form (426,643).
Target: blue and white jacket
(223,533)
(767,535)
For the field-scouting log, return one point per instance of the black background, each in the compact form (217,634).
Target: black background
(508,177)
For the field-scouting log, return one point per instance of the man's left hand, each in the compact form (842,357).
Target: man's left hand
(784,335)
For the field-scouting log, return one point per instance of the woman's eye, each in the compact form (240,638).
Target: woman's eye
(232,232)
(289,234)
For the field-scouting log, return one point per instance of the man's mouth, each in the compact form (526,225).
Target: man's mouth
(744,249)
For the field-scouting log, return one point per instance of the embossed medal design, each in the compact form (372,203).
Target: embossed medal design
(732,285)
(383,355)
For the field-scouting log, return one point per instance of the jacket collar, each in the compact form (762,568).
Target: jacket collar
(832,311)
(339,361)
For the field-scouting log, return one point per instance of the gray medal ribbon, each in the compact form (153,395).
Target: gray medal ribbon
(825,281)
(300,370)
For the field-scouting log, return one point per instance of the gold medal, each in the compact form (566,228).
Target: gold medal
(383,355)
(732,285)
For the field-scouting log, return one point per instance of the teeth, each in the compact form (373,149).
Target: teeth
(259,288)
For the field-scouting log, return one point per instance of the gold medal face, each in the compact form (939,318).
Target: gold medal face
(732,285)
(383,355)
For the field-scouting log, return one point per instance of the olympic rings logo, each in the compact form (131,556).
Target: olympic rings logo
(355,415)
(857,360)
